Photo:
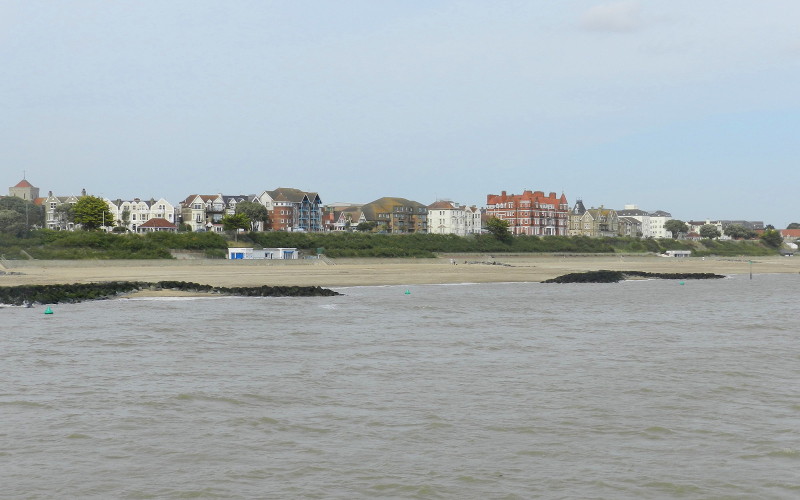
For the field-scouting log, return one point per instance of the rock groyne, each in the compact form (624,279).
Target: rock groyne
(606,276)
(79,292)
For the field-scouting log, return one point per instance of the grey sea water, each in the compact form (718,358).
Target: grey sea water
(642,389)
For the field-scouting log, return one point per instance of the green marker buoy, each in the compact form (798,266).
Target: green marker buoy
(408,292)
(48,310)
(682,282)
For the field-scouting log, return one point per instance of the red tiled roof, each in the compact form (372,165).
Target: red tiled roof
(24,184)
(440,205)
(159,222)
(790,233)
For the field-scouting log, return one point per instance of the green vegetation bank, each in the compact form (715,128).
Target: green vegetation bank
(48,245)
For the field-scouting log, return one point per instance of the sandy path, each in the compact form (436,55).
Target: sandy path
(354,272)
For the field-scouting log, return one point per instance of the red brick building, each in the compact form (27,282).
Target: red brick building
(532,212)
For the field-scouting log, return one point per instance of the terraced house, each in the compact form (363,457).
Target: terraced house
(132,214)
(204,212)
(55,214)
(594,222)
(530,213)
(446,217)
(343,217)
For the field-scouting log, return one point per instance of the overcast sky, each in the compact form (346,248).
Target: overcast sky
(692,107)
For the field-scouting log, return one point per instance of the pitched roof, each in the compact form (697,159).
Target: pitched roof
(237,198)
(62,199)
(632,212)
(601,211)
(292,194)
(24,184)
(157,222)
(441,205)
(387,205)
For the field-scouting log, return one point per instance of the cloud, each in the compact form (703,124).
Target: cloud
(618,17)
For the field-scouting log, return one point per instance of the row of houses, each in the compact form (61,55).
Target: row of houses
(289,209)
(630,221)
(529,213)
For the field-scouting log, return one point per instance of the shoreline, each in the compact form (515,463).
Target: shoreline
(468,268)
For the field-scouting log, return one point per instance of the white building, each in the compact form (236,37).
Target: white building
(696,225)
(657,221)
(131,214)
(262,253)
(678,253)
(446,217)
(652,222)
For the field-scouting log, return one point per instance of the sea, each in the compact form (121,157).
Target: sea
(640,389)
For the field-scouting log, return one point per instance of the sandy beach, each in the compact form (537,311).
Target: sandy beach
(458,268)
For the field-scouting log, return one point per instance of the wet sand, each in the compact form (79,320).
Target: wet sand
(366,272)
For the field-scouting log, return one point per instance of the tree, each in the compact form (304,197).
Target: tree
(92,213)
(12,222)
(498,228)
(366,226)
(709,231)
(793,225)
(234,223)
(738,232)
(126,217)
(676,227)
(772,237)
(32,214)
(256,212)
(63,214)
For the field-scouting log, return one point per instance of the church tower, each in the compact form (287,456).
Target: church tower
(24,190)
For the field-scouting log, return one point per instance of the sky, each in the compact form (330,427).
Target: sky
(677,105)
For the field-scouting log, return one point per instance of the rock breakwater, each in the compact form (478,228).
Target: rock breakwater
(606,276)
(78,292)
